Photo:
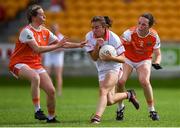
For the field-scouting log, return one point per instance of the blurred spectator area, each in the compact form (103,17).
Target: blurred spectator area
(12,7)
(74,22)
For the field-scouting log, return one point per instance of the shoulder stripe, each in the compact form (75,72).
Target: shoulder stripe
(152,32)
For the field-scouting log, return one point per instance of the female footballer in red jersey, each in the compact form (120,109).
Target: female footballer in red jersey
(25,62)
(140,43)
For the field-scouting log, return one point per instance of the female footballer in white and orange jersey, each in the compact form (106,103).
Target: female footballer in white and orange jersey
(25,62)
(109,68)
(140,43)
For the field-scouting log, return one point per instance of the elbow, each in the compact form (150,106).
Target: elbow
(95,59)
(122,59)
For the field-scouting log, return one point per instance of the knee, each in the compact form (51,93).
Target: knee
(110,102)
(144,82)
(35,79)
(121,82)
(103,91)
(51,92)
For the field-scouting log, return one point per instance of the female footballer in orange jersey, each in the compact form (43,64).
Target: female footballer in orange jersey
(25,62)
(140,43)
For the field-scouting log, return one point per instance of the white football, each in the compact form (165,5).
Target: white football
(107,49)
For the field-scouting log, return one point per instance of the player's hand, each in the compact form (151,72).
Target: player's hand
(62,42)
(99,41)
(107,56)
(83,43)
(157,66)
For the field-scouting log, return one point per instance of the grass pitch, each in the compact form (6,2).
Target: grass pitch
(78,103)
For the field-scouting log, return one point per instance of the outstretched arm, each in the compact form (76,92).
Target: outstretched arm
(42,49)
(74,45)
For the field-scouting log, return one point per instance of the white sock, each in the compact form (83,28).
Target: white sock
(151,108)
(120,106)
(37,107)
(128,95)
(50,117)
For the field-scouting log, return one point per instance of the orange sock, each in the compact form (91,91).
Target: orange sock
(150,102)
(36,102)
(51,112)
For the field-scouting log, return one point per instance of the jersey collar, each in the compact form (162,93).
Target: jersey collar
(35,29)
(140,35)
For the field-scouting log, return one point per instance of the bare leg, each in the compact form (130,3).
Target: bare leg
(59,79)
(144,72)
(27,73)
(47,85)
(113,97)
(127,70)
(105,87)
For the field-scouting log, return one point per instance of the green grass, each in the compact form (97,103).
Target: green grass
(78,103)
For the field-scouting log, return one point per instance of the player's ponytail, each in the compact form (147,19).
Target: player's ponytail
(108,21)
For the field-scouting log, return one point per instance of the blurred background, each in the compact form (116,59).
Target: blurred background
(73,17)
(80,90)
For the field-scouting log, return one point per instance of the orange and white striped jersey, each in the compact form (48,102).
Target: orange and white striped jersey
(23,53)
(140,48)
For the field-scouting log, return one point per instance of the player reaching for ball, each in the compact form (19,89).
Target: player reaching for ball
(109,67)
(25,62)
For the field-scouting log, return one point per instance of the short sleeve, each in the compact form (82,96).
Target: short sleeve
(89,47)
(60,36)
(26,35)
(118,45)
(127,35)
(158,42)
(52,37)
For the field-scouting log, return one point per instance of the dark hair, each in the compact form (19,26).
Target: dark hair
(32,11)
(104,20)
(150,17)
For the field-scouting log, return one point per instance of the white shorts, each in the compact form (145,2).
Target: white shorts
(137,64)
(102,75)
(54,59)
(15,69)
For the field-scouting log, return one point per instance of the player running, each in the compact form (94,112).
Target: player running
(109,67)
(140,43)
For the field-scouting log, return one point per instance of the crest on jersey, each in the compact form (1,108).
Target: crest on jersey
(158,44)
(29,37)
(149,43)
